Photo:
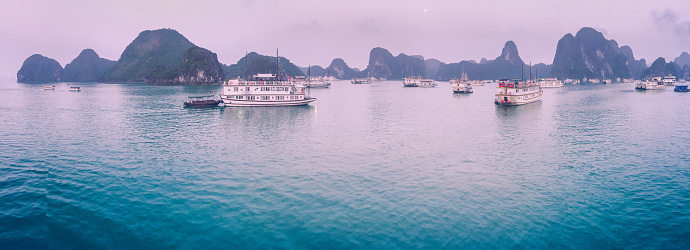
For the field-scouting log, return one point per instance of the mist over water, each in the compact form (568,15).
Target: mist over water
(366,166)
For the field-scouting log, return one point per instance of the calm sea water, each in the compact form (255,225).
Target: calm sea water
(367,166)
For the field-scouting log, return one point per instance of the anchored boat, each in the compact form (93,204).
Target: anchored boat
(418,81)
(265,90)
(517,92)
(655,83)
(206,101)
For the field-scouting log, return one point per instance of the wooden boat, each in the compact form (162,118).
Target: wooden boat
(206,101)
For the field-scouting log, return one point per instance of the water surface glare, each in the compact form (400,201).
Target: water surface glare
(366,166)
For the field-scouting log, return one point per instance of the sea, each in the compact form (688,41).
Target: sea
(370,166)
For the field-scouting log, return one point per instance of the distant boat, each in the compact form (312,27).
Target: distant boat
(681,88)
(316,82)
(655,83)
(418,81)
(48,87)
(361,80)
(669,80)
(517,92)
(549,83)
(206,101)
(461,86)
(476,83)
(75,89)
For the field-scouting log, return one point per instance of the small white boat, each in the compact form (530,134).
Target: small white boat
(517,92)
(48,87)
(655,83)
(549,83)
(74,89)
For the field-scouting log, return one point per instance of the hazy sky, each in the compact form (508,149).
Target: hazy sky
(317,31)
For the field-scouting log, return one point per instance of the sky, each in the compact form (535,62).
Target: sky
(314,32)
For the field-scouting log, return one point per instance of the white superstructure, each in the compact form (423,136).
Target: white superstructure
(516,92)
(669,80)
(418,81)
(655,83)
(316,82)
(265,90)
(549,83)
(461,86)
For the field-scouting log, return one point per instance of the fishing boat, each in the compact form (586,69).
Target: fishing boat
(206,101)
(418,81)
(517,92)
(549,83)
(48,87)
(655,83)
(75,89)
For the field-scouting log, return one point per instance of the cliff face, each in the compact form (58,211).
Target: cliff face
(150,57)
(382,64)
(87,67)
(507,65)
(661,68)
(588,54)
(683,59)
(38,68)
(199,66)
(636,67)
(340,70)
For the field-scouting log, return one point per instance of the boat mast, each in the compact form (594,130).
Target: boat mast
(246,65)
(522,74)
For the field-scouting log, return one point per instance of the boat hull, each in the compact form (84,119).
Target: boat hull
(206,104)
(268,103)
(516,101)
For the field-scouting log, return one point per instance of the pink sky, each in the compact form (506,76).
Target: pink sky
(317,31)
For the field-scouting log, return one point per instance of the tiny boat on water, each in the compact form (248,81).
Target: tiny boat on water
(206,101)
(361,80)
(74,89)
(48,87)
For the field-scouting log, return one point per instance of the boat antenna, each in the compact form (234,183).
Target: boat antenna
(522,76)
(530,71)
(277,64)
(246,65)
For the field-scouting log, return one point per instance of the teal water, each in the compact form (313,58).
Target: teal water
(366,167)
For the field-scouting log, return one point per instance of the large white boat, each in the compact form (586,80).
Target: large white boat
(361,80)
(669,80)
(516,92)
(461,86)
(549,83)
(656,83)
(418,81)
(316,82)
(265,90)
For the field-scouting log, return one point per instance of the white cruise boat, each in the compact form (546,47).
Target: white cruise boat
(516,92)
(316,82)
(361,80)
(461,86)
(655,83)
(549,83)
(418,81)
(669,80)
(265,90)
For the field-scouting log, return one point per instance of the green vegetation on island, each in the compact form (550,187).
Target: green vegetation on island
(38,68)
(87,67)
